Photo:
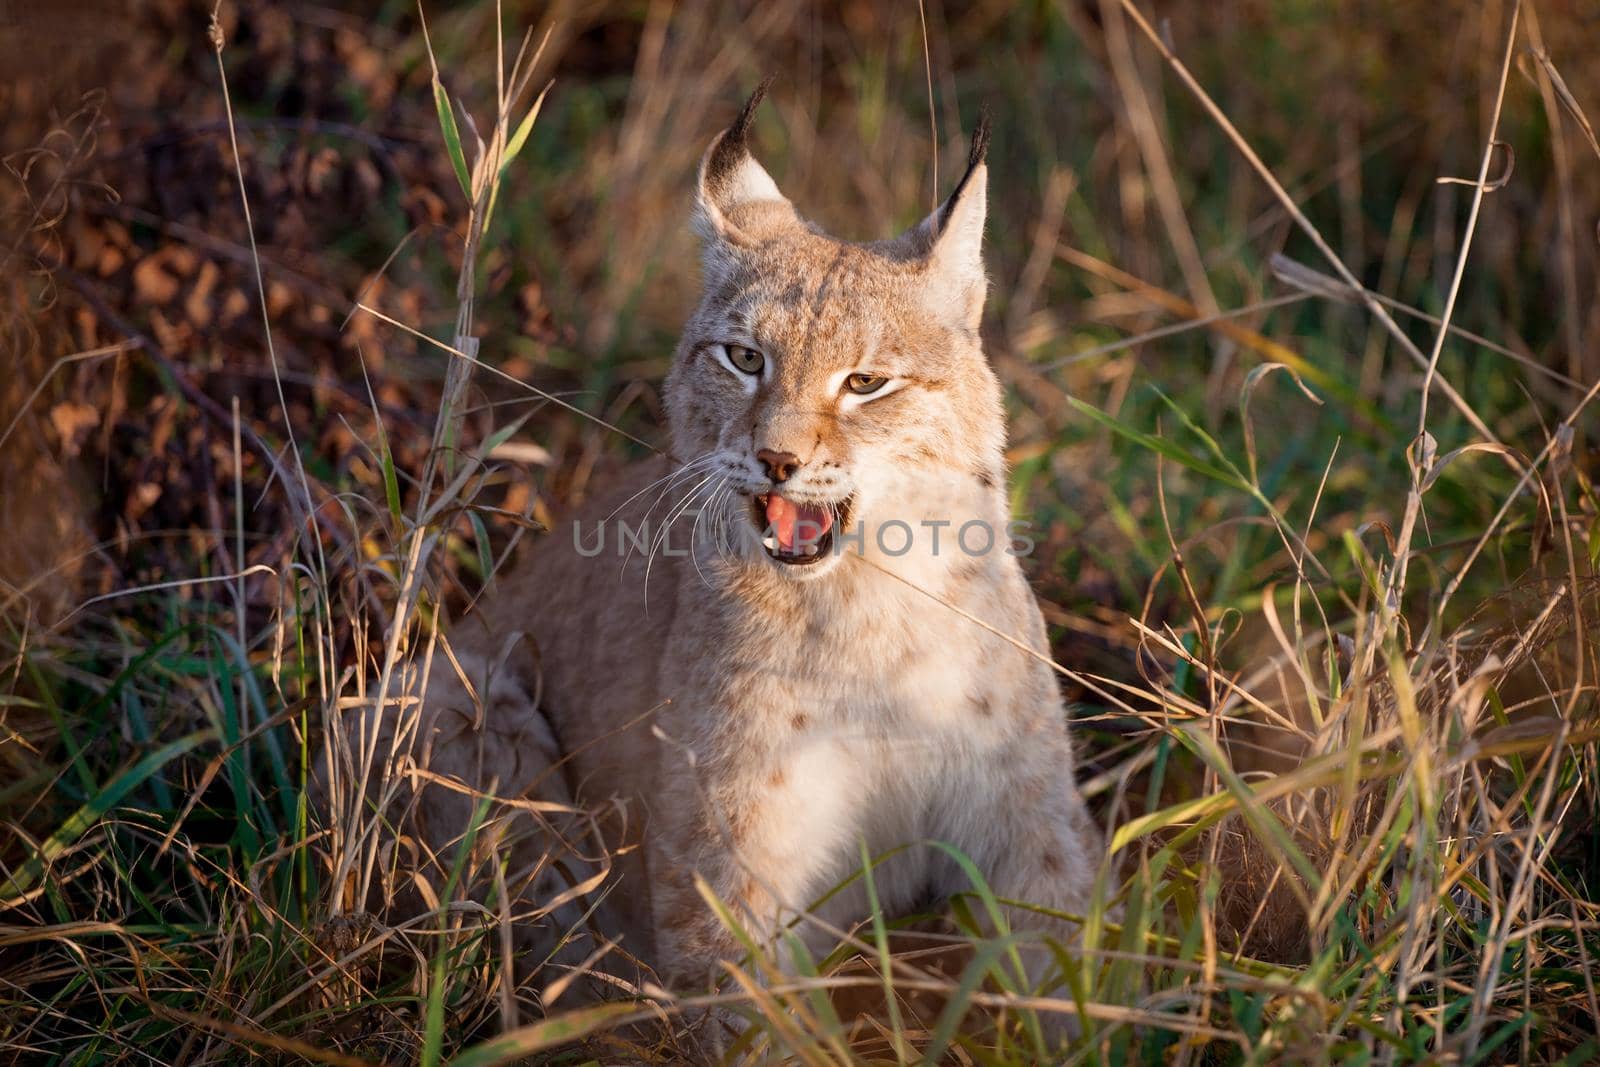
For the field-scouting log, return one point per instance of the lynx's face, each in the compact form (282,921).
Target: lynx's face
(824,388)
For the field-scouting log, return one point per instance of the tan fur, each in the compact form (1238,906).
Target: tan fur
(798,711)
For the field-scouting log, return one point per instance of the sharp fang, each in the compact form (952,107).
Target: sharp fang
(770,543)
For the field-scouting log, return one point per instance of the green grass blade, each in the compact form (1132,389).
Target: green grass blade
(1159,445)
(480,537)
(452,136)
(880,938)
(1266,826)
(984,960)
(114,792)
(997,916)
(515,1045)
(433,1029)
(520,136)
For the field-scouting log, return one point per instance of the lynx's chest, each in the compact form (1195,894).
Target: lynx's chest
(871,664)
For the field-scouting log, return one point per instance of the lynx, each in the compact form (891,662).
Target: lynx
(781,644)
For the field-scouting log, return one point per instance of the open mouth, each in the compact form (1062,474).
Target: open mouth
(794,533)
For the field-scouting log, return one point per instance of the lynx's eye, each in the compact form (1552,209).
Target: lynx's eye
(865,384)
(744,359)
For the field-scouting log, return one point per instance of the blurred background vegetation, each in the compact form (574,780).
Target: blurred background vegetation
(1100,162)
(1119,209)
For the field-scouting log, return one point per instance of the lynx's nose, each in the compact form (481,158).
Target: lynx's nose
(779,464)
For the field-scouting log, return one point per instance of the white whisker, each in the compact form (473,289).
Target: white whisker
(725,519)
(666,482)
(712,500)
(675,472)
(659,541)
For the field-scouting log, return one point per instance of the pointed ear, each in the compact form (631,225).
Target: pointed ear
(950,241)
(737,203)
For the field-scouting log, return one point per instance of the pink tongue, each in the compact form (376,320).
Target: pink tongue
(796,524)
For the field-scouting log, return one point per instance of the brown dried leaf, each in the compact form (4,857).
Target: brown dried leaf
(198,305)
(110,261)
(73,423)
(152,283)
(142,499)
(234,305)
(181,259)
(1436,468)
(279,298)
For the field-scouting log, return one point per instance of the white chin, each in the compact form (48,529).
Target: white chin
(825,564)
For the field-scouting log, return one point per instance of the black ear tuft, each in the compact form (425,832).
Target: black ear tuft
(733,145)
(747,116)
(975,158)
(980,141)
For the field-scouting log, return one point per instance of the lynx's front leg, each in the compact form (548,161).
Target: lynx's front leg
(767,829)
(1031,836)
(760,851)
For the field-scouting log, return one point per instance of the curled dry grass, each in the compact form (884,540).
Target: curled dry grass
(1350,818)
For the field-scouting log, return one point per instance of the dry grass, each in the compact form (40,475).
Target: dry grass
(1319,556)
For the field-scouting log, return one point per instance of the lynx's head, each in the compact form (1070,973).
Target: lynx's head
(830,386)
